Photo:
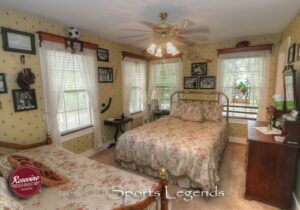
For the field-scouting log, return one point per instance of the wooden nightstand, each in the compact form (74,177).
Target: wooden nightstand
(271,168)
(117,123)
(160,113)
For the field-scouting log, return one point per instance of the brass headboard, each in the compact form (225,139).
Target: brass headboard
(214,97)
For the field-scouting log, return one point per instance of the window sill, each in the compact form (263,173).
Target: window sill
(77,134)
(238,121)
(137,114)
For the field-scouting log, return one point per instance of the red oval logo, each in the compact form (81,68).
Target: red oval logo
(25,181)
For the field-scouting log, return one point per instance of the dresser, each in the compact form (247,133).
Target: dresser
(271,168)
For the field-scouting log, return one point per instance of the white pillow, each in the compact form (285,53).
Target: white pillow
(7,200)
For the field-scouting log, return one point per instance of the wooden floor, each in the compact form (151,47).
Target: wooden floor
(232,174)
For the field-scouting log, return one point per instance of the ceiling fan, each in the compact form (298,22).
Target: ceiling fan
(186,32)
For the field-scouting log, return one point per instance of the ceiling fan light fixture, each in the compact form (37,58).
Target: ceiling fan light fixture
(158,52)
(151,49)
(171,49)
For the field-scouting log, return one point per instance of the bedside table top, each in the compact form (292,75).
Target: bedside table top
(163,111)
(117,121)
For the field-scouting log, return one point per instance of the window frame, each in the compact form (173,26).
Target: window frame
(246,107)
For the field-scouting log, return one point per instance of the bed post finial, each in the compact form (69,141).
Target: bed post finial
(48,139)
(163,174)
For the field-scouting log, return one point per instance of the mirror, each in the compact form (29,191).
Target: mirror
(289,88)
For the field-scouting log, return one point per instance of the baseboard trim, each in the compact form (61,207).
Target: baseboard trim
(238,140)
(296,202)
(92,152)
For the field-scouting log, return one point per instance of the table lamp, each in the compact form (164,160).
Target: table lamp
(155,96)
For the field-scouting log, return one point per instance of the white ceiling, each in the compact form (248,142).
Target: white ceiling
(225,18)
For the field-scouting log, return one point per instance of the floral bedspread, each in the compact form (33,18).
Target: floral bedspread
(90,182)
(186,149)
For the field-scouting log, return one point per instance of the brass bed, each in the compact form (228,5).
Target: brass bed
(190,151)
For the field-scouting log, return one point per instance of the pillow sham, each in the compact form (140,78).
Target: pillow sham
(176,109)
(49,177)
(192,112)
(5,167)
(212,112)
(7,200)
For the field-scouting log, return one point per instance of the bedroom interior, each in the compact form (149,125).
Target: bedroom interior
(160,95)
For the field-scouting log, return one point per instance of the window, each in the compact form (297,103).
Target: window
(134,86)
(243,78)
(74,111)
(166,79)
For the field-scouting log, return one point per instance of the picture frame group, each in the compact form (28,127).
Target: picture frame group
(18,41)
(293,53)
(3,85)
(24,100)
(102,54)
(105,75)
(204,82)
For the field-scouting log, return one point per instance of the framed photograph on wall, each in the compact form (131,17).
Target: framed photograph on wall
(3,85)
(199,69)
(18,41)
(105,75)
(298,52)
(190,82)
(291,53)
(103,55)
(24,100)
(207,82)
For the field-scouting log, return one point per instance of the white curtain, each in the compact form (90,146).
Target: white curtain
(90,77)
(173,69)
(131,66)
(53,83)
(54,74)
(252,66)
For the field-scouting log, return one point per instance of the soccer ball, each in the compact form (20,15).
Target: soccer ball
(73,33)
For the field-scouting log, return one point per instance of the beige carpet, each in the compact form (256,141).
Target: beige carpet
(232,173)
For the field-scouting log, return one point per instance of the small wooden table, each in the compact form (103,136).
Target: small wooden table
(117,123)
(159,113)
(271,168)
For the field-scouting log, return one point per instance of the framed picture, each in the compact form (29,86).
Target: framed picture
(102,54)
(199,69)
(190,82)
(3,86)
(24,100)
(291,53)
(18,41)
(207,82)
(105,75)
(298,52)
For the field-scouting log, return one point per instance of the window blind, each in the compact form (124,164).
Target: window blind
(166,77)
(74,107)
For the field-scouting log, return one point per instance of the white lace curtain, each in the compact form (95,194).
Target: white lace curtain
(54,85)
(251,66)
(131,69)
(172,68)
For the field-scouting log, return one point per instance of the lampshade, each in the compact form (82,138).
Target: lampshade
(158,52)
(151,49)
(162,49)
(155,95)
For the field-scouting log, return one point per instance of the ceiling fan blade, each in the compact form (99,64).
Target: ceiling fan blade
(129,29)
(184,40)
(194,38)
(185,24)
(139,40)
(149,24)
(201,29)
(132,36)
